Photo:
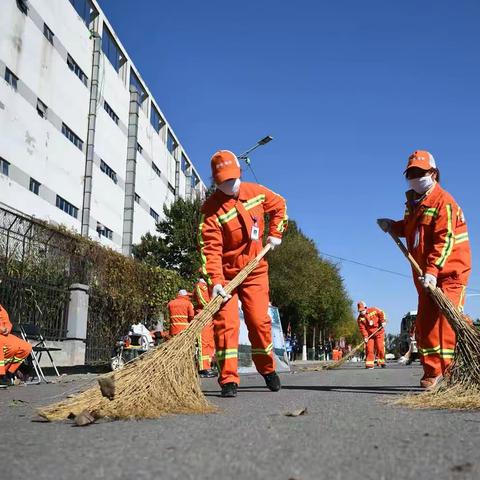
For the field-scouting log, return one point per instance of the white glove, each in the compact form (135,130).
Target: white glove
(274,242)
(385,224)
(429,280)
(218,290)
(402,360)
(365,339)
(384,324)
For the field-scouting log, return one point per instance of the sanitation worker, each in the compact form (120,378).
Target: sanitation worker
(230,235)
(180,311)
(437,238)
(206,342)
(13,350)
(369,321)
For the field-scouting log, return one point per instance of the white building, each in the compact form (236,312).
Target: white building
(83,142)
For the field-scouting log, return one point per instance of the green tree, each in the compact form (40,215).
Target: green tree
(175,246)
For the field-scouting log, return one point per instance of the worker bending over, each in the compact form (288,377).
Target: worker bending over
(437,238)
(180,311)
(230,235)
(13,350)
(206,342)
(371,323)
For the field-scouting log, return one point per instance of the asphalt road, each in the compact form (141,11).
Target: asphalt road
(350,431)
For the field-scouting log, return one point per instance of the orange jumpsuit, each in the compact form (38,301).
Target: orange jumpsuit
(228,241)
(368,323)
(206,342)
(180,311)
(13,350)
(437,238)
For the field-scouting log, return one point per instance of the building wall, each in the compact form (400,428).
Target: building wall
(37,147)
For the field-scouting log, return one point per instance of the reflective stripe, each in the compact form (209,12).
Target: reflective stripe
(431,212)
(200,296)
(201,243)
(284,222)
(462,237)
(180,323)
(262,351)
(249,204)
(441,352)
(229,353)
(178,316)
(449,240)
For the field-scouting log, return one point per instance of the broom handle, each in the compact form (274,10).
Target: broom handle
(243,274)
(407,254)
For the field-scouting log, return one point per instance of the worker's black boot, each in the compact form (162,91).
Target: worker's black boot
(4,381)
(272,380)
(207,373)
(229,390)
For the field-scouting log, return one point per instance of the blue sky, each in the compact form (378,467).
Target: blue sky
(347,89)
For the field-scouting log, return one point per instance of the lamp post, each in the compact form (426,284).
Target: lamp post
(263,141)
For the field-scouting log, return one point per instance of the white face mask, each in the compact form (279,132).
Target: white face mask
(363,312)
(422,184)
(230,187)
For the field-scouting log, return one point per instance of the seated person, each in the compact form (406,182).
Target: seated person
(13,350)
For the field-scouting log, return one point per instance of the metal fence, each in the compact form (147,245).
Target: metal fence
(37,266)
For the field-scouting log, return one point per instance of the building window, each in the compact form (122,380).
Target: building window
(67,207)
(185,164)
(171,188)
(48,34)
(75,139)
(156,170)
(108,171)
(110,112)
(34,186)
(85,9)
(155,119)
(111,49)
(73,66)
(42,109)
(11,78)
(22,6)
(137,198)
(137,86)
(154,214)
(194,180)
(104,231)
(171,143)
(4,166)
(139,148)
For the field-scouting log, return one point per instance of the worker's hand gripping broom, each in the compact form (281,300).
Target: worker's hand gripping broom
(350,354)
(465,368)
(162,381)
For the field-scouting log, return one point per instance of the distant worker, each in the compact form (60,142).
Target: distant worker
(13,350)
(180,311)
(230,235)
(437,238)
(206,342)
(371,320)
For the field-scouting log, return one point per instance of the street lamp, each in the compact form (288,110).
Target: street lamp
(263,141)
(246,153)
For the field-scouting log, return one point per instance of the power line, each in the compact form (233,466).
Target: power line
(379,269)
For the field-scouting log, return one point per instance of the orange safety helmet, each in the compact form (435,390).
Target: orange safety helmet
(421,159)
(225,166)
(361,306)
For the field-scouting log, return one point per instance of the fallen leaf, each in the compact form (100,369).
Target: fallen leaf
(83,419)
(107,387)
(297,412)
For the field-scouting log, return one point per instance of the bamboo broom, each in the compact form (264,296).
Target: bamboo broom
(162,381)
(351,353)
(459,389)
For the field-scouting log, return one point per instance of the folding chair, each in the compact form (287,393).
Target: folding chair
(31,333)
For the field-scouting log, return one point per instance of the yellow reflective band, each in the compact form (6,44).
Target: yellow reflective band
(462,237)
(200,296)
(201,243)
(449,240)
(180,323)
(431,212)
(229,353)
(262,351)
(249,204)
(179,316)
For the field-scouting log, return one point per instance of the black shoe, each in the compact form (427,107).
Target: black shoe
(207,373)
(272,380)
(383,365)
(4,382)
(229,389)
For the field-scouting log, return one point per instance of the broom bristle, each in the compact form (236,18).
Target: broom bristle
(160,382)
